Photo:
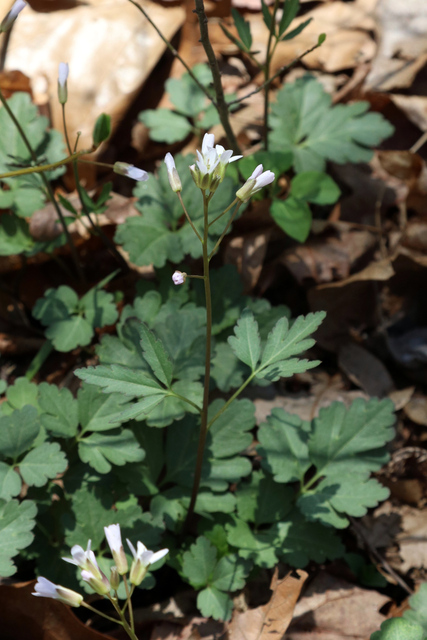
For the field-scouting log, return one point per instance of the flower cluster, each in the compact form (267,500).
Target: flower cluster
(92,574)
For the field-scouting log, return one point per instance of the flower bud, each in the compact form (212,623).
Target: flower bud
(174,179)
(99,585)
(254,183)
(114,578)
(179,277)
(10,18)
(114,539)
(62,82)
(128,170)
(46,589)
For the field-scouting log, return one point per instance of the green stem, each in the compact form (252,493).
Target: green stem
(123,621)
(39,359)
(228,225)
(99,613)
(46,167)
(268,58)
(204,414)
(47,186)
(230,400)
(221,104)
(187,216)
(129,601)
(184,399)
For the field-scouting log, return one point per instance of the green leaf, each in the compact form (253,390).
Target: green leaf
(208,502)
(56,304)
(165,125)
(292,216)
(418,611)
(284,446)
(199,562)
(301,541)
(102,129)
(101,451)
(260,546)
(59,410)
(230,573)
(316,187)
(215,604)
(15,235)
(263,501)
(277,161)
(173,408)
(289,11)
(99,308)
(226,370)
(10,482)
(115,378)
(229,432)
(18,432)
(98,411)
(68,334)
(19,394)
(156,356)
(399,629)
(246,344)
(26,193)
(266,15)
(16,524)
(42,463)
(284,341)
(351,438)
(304,122)
(243,29)
(295,32)
(186,95)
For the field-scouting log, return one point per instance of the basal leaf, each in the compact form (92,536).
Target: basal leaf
(99,411)
(215,604)
(284,446)
(259,546)
(156,356)
(230,573)
(16,524)
(304,122)
(354,437)
(199,562)
(42,463)
(293,217)
(18,432)
(229,433)
(165,125)
(418,611)
(227,370)
(115,378)
(262,501)
(99,308)
(316,187)
(56,305)
(10,482)
(68,334)
(101,451)
(186,95)
(59,410)
(246,343)
(20,393)
(399,629)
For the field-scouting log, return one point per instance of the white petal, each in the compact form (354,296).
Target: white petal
(169,161)
(264,179)
(131,547)
(159,555)
(208,142)
(256,173)
(234,158)
(63,73)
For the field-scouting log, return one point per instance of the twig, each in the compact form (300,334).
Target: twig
(269,55)
(378,556)
(221,104)
(276,75)
(419,143)
(174,52)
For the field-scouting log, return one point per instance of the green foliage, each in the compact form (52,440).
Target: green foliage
(304,122)
(71,322)
(160,234)
(202,568)
(102,129)
(193,109)
(399,629)
(418,611)
(16,524)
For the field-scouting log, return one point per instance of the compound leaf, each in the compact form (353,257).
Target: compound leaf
(229,432)
(42,463)
(59,410)
(18,432)
(399,629)
(10,482)
(165,125)
(99,411)
(16,524)
(418,611)
(101,451)
(246,343)
(119,379)
(215,604)
(199,562)
(156,356)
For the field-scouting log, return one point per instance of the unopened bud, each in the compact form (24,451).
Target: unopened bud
(10,18)
(179,277)
(173,176)
(114,578)
(62,82)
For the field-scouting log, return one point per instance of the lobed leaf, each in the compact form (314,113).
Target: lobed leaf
(246,343)
(16,524)
(42,463)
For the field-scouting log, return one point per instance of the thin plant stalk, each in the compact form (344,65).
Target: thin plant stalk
(221,104)
(269,55)
(204,414)
(47,186)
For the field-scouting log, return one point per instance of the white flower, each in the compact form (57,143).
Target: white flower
(179,277)
(128,170)
(85,560)
(211,163)
(254,183)
(174,179)
(114,539)
(142,559)
(10,18)
(46,589)
(62,82)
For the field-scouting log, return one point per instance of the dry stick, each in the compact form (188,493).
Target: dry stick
(221,104)
(419,143)
(379,557)
(174,51)
(276,75)
(47,186)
